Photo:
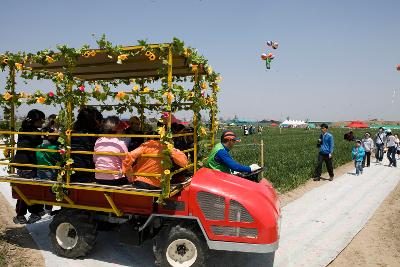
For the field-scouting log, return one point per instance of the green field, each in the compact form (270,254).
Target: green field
(290,155)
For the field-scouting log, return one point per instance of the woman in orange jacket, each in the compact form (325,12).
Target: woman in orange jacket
(134,163)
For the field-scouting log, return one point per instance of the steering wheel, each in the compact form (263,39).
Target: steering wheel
(251,176)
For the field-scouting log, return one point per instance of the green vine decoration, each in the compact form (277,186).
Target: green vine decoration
(165,99)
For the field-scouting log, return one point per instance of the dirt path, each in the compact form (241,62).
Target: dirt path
(17,247)
(378,243)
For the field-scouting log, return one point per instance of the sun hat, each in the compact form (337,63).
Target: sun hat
(229,135)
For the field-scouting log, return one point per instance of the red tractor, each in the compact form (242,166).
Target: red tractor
(209,210)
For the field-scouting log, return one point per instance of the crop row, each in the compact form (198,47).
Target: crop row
(290,155)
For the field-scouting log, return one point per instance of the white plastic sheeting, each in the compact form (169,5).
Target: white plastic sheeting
(319,225)
(315,228)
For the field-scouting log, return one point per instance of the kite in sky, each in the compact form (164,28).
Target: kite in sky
(268,56)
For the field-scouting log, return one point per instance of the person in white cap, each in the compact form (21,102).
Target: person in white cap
(368,145)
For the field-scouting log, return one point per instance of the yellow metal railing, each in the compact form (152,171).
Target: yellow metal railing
(70,152)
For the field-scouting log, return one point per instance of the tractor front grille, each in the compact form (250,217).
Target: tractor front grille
(238,213)
(234,231)
(212,206)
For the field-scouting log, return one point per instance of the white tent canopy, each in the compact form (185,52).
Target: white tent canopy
(293,123)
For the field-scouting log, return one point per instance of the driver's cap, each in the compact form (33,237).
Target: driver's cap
(229,135)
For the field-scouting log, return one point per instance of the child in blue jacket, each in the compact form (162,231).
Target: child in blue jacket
(357,155)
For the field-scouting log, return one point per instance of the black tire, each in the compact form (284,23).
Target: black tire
(78,231)
(170,235)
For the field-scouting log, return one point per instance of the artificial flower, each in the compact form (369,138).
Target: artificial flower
(49,59)
(203,131)
(166,172)
(191,95)
(96,88)
(161,131)
(209,70)
(40,100)
(170,146)
(152,57)
(92,53)
(6,153)
(50,94)
(86,54)
(120,95)
(170,96)
(23,95)
(216,88)
(194,67)
(60,76)
(186,52)
(19,66)
(121,58)
(218,79)
(135,88)
(146,90)
(7,96)
(82,88)
(61,151)
(203,85)
(5,61)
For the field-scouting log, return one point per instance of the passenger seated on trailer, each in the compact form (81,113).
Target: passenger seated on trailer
(134,128)
(88,121)
(183,142)
(134,163)
(33,121)
(48,158)
(111,125)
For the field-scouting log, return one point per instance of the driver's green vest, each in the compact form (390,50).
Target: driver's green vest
(213,164)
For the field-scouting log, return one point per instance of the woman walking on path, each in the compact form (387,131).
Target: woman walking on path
(391,148)
(368,145)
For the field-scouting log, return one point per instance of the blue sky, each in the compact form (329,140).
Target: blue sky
(336,59)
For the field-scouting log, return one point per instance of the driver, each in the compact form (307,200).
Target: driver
(221,160)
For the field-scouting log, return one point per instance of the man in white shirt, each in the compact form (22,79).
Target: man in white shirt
(380,139)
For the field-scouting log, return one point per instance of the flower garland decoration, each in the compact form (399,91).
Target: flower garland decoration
(168,98)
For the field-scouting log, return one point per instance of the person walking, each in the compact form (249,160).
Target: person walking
(325,144)
(398,146)
(380,139)
(357,154)
(368,145)
(391,148)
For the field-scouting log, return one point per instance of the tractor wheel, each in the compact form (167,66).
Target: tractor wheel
(180,245)
(73,233)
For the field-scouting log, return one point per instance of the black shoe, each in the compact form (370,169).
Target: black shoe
(331,178)
(317,178)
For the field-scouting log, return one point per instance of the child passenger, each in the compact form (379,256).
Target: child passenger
(48,159)
(358,154)
(33,121)
(111,125)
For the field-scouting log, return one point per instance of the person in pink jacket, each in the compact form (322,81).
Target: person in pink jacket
(111,125)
